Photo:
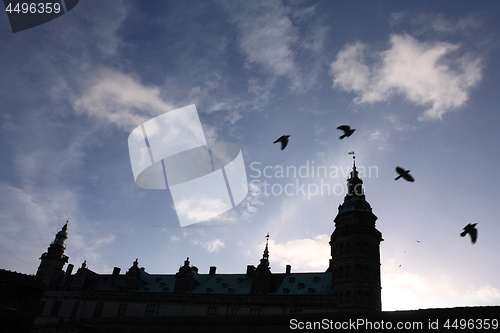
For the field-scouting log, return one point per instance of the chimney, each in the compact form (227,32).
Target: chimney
(250,269)
(212,270)
(116,271)
(288,269)
(69,270)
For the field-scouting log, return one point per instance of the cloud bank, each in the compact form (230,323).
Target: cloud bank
(426,74)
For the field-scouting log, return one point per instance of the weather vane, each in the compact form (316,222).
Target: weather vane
(352,153)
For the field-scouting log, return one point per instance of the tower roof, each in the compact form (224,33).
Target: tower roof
(264,262)
(64,231)
(354,200)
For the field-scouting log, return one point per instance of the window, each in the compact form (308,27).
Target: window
(295,311)
(122,310)
(212,311)
(209,290)
(367,297)
(301,286)
(286,290)
(348,247)
(239,280)
(98,310)
(40,308)
(341,271)
(358,271)
(291,280)
(348,271)
(55,309)
(365,271)
(341,248)
(256,311)
(316,279)
(365,248)
(348,297)
(236,311)
(75,308)
(341,297)
(358,297)
(150,310)
(311,290)
(224,285)
(217,280)
(357,248)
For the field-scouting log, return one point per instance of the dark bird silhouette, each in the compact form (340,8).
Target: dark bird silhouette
(405,174)
(471,230)
(419,241)
(284,141)
(347,131)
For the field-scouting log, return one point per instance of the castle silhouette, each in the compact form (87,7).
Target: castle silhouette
(352,280)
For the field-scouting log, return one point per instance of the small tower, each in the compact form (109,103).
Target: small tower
(52,261)
(185,278)
(262,278)
(355,249)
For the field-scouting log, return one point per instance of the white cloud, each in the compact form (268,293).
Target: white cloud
(408,291)
(120,99)
(175,239)
(251,202)
(302,254)
(427,74)
(214,245)
(200,209)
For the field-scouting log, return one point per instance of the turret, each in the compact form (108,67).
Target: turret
(52,261)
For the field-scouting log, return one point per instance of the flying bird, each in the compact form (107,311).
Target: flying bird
(347,131)
(405,174)
(284,141)
(471,230)
(419,241)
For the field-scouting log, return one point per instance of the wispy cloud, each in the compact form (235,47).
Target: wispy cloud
(303,254)
(438,22)
(30,219)
(121,99)
(269,40)
(214,245)
(427,74)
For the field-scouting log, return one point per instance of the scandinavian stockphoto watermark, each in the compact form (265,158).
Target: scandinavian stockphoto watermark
(308,179)
(205,180)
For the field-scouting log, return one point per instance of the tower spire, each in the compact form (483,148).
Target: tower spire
(52,261)
(266,250)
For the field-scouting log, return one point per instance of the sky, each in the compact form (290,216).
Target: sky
(418,81)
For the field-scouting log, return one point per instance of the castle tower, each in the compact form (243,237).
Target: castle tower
(355,249)
(262,278)
(52,261)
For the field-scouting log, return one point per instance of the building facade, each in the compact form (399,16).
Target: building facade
(352,280)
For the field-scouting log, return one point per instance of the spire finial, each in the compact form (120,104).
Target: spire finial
(353,159)
(266,250)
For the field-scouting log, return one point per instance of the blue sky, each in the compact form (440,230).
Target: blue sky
(418,81)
